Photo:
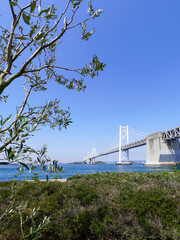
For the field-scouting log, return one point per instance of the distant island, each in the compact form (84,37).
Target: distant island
(4,163)
(98,162)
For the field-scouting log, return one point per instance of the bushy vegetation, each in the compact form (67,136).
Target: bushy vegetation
(97,206)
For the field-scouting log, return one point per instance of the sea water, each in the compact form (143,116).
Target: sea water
(7,172)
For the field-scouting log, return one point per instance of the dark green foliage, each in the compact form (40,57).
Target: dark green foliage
(86,194)
(99,206)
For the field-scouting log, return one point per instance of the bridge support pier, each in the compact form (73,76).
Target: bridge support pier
(162,152)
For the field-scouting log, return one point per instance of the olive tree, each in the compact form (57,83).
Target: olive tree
(28,57)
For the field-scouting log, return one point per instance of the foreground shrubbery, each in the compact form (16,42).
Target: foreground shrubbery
(99,206)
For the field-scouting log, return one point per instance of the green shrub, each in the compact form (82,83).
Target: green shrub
(97,206)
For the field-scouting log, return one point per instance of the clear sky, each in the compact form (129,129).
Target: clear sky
(140,43)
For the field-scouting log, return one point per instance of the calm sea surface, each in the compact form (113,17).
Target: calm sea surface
(7,172)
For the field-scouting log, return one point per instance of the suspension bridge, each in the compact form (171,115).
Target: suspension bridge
(161,147)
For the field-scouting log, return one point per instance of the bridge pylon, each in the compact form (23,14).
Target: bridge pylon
(90,158)
(123,139)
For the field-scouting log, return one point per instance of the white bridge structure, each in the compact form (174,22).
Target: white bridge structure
(161,147)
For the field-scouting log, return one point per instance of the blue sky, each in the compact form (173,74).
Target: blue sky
(140,43)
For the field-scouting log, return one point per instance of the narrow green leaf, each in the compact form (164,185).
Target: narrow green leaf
(10,132)
(13,3)
(40,36)
(21,38)
(26,18)
(22,141)
(45,11)
(33,6)
(24,165)
(52,16)
(31,33)
(6,120)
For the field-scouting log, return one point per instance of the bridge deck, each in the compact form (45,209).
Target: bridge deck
(125,147)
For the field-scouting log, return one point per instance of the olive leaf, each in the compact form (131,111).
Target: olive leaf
(26,18)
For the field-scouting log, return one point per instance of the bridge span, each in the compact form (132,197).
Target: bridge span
(139,143)
(161,147)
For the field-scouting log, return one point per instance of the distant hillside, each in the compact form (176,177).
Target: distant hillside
(4,163)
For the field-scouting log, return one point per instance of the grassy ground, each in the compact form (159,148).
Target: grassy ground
(97,206)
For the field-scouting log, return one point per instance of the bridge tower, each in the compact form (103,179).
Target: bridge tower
(90,157)
(123,140)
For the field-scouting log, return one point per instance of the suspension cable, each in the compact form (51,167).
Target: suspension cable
(139,131)
(114,136)
(142,135)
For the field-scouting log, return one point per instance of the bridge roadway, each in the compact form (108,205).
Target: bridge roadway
(125,147)
(167,135)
